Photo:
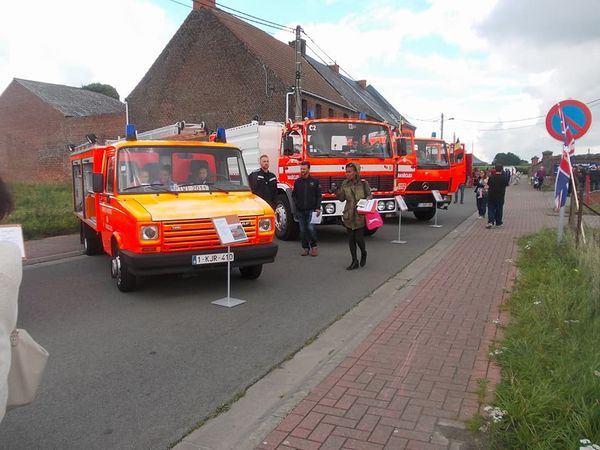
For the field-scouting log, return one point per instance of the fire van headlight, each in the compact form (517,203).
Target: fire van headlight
(390,205)
(149,232)
(329,208)
(265,225)
(381,206)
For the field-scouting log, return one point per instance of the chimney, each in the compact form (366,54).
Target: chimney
(335,68)
(362,83)
(203,3)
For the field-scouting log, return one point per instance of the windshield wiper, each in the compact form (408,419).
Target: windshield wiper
(155,186)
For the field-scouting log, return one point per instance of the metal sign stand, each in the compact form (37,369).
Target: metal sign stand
(401,206)
(228,301)
(435,200)
(229,229)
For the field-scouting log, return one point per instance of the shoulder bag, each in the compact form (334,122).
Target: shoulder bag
(28,361)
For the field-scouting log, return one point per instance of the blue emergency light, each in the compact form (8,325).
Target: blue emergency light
(130,132)
(362,116)
(310,114)
(220,135)
(433,134)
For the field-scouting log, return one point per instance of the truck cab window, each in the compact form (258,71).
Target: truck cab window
(110,175)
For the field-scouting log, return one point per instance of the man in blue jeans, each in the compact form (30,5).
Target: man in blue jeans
(307,198)
(496,189)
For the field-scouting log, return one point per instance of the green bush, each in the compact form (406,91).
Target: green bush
(43,209)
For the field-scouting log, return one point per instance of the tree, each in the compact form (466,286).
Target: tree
(100,88)
(507,159)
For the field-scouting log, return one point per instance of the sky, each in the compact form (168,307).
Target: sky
(493,68)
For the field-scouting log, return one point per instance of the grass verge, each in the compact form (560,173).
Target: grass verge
(43,209)
(549,396)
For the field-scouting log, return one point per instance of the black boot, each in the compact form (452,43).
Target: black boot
(363,259)
(353,266)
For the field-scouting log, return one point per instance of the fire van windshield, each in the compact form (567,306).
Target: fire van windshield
(331,139)
(143,170)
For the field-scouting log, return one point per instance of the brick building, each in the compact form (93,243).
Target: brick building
(224,71)
(38,120)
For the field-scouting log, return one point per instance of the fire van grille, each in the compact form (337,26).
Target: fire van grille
(380,182)
(199,234)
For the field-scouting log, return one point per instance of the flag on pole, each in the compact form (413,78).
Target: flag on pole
(563,176)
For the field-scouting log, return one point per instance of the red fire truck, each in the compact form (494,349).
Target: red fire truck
(423,165)
(328,144)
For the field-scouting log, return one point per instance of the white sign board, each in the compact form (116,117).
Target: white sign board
(437,196)
(230,230)
(14,234)
(401,203)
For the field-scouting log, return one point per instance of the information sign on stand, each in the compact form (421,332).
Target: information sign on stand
(438,199)
(230,231)
(14,234)
(401,207)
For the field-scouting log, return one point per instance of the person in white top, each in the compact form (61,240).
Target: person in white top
(11,271)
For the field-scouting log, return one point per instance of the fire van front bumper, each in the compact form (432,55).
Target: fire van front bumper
(181,262)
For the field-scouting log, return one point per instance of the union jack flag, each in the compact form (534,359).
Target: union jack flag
(563,176)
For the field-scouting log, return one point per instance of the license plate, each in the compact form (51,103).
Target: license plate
(212,258)
(425,205)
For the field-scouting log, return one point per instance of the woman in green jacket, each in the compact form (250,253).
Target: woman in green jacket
(351,191)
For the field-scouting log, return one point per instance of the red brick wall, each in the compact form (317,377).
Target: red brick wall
(34,136)
(213,79)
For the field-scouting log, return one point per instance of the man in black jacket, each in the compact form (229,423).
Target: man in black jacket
(307,198)
(264,183)
(496,189)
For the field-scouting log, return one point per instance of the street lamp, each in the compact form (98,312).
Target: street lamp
(442,126)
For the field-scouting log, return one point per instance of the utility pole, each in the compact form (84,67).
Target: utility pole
(298,84)
(442,127)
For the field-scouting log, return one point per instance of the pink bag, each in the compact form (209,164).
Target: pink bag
(373,220)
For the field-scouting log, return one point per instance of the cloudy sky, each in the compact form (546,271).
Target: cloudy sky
(492,67)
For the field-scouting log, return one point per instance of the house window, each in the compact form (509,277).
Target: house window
(331,112)
(304,108)
(318,111)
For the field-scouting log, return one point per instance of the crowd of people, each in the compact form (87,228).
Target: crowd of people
(490,189)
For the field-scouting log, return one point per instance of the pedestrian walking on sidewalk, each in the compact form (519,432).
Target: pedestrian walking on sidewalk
(351,191)
(496,189)
(11,272)
(481,193)
(307,198)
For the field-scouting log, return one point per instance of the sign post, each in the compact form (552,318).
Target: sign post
(567,121)
(437,197)
(230,231)
(401,207)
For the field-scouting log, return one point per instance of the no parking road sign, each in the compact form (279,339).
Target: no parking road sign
(577,117)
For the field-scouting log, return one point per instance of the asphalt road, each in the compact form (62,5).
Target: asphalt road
(140,370)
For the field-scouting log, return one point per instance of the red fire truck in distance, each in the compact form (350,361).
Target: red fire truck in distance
(328,144)
(423,165)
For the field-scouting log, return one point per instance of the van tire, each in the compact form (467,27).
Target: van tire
(251,272)
(286,228)
(92,245)
(424,214)
(126,281)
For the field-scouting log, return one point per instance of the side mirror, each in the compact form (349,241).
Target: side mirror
(401,144)
(288,146)
(97,183)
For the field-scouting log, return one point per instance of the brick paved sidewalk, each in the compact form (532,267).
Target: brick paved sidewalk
(412,383)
